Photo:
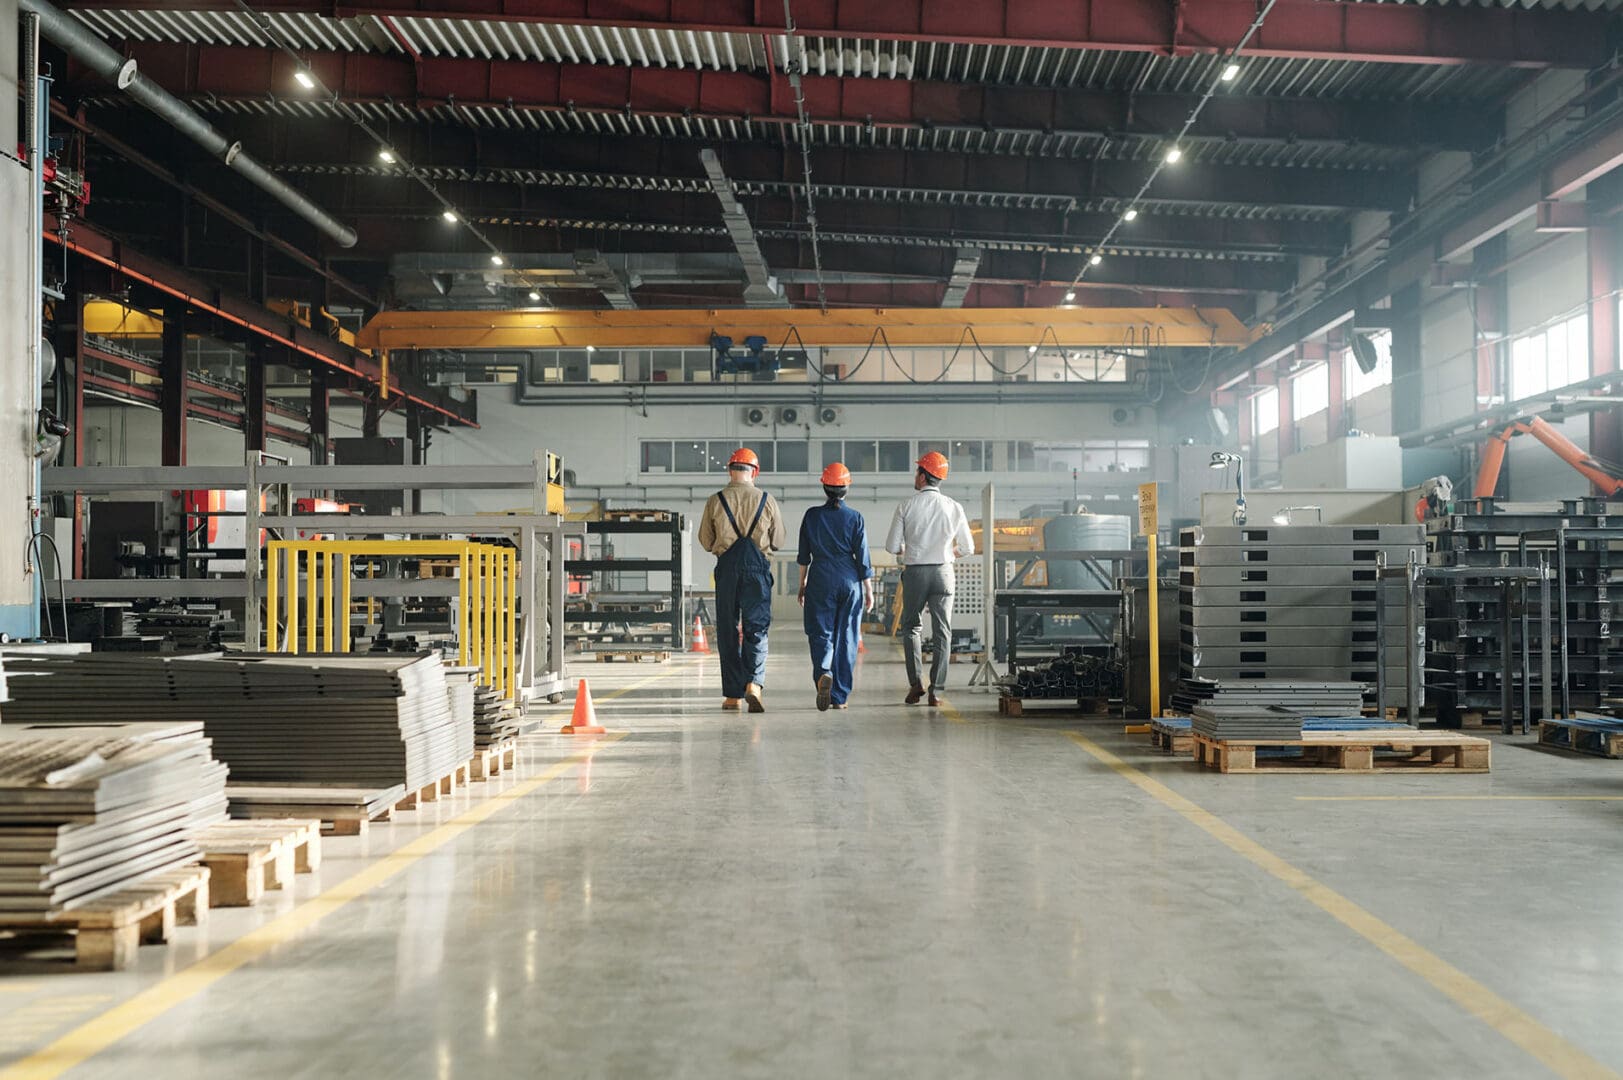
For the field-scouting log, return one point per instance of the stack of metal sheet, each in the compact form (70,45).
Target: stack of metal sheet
(1303,697)
(494,719)
(89,809)
(1291,602)
(1247,722)
(360,721)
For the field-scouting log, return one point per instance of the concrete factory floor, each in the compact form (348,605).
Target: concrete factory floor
(889,892)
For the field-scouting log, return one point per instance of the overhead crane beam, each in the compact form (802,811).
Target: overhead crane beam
(900,327)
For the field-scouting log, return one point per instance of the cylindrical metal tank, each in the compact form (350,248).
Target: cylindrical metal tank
(1084,532)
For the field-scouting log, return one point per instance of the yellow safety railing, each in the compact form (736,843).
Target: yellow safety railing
(487,598)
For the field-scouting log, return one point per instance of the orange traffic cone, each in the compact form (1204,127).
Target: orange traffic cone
(584,721)
(700,645)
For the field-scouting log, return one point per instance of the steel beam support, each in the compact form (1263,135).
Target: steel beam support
(233,75)
(1408,382)
(172,399)
(1605,425)
(964,266)
(201,295)
(1394,33)
(1490,303)
(254,426)
(320,424)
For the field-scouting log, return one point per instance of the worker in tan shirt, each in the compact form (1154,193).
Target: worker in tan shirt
(742,525)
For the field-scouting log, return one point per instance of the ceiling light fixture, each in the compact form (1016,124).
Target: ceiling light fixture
(1132,212)
(497,260)
(1095,259)
(302,77)
(1070,296)
(386,156)
(1174,155)
(1230,72)
(449,216)
(535,297)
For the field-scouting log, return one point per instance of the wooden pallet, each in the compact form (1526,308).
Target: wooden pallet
(1582,738)
(1349,752)
(337,818)
(635,656)
(1014,706)
(492,760)
(1176,740)
(639,515)
(108,932)
(461,776)
(249,858)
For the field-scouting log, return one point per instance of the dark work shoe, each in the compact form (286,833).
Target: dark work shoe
(825,691)
(915,695)
(935,701)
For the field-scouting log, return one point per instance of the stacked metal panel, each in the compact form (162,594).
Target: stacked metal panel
(1305,698)
(1292,602)
(1247,722)
(1465,616)
(356,720)
(87,809)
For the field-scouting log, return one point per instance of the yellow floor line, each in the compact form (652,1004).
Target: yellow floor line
(92,1037)
(1459,798)
(1560,1056)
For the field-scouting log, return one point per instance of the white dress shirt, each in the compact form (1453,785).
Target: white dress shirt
(926,529)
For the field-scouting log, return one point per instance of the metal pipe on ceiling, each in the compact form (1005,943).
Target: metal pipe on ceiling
(83,45)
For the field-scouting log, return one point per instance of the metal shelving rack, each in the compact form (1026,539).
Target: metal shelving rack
(662,609)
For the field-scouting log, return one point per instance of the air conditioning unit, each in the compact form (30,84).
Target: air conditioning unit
(790,415)
(755,415)
(830,414)
(1123,415)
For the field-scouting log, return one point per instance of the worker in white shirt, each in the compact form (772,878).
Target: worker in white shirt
(929,532)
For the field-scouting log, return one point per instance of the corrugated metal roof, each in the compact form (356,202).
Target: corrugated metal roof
(643,47)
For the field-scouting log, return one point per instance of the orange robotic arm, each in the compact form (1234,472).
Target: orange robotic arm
(1493,457)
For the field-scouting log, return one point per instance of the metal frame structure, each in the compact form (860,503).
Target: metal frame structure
(539,537)
(1414,576)
(589,564)
(1562,536)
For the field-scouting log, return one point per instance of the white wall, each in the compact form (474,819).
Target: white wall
(601,445)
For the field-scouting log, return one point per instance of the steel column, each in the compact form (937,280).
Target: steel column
(172,399)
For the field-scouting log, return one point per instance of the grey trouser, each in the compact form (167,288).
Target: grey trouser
(927,585)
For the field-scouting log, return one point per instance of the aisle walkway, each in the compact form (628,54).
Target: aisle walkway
(896,892)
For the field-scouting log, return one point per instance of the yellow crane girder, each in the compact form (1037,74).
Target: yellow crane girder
(948,328)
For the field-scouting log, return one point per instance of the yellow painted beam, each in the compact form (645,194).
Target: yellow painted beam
(903,327)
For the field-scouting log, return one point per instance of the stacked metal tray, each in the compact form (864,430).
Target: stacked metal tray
(1291,601)
(1466,617)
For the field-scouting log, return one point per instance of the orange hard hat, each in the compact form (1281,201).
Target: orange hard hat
(744,456)
(935,464)
(837,475)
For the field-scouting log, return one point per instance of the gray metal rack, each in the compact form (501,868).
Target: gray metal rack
(634,615)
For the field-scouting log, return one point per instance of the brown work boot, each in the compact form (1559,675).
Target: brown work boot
(752,696)
(935,701)
(731,704)
(915,695)
(825,691)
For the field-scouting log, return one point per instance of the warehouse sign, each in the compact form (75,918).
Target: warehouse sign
(1147,523)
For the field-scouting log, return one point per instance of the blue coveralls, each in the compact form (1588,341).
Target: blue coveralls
(743,597)
(834,544)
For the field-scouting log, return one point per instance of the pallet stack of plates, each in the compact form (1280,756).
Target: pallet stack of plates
(359,721)
(1301,696)
(494,720)
(1247,722)
(1292,602)
(89,809)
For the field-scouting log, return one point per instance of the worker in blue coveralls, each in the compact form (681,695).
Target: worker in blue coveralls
(836,587)
(742,526)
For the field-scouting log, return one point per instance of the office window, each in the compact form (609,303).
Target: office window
(763,450)
(1310,391)
(1057,457)
(833,451)
(1115,455)
(719,453)
(895,456)
(965,456)
(656,457)
(1356,382)
(691,457)
(1265,410)
(794,456)
(861,455)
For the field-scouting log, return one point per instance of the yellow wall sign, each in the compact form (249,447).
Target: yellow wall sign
(1147,521)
